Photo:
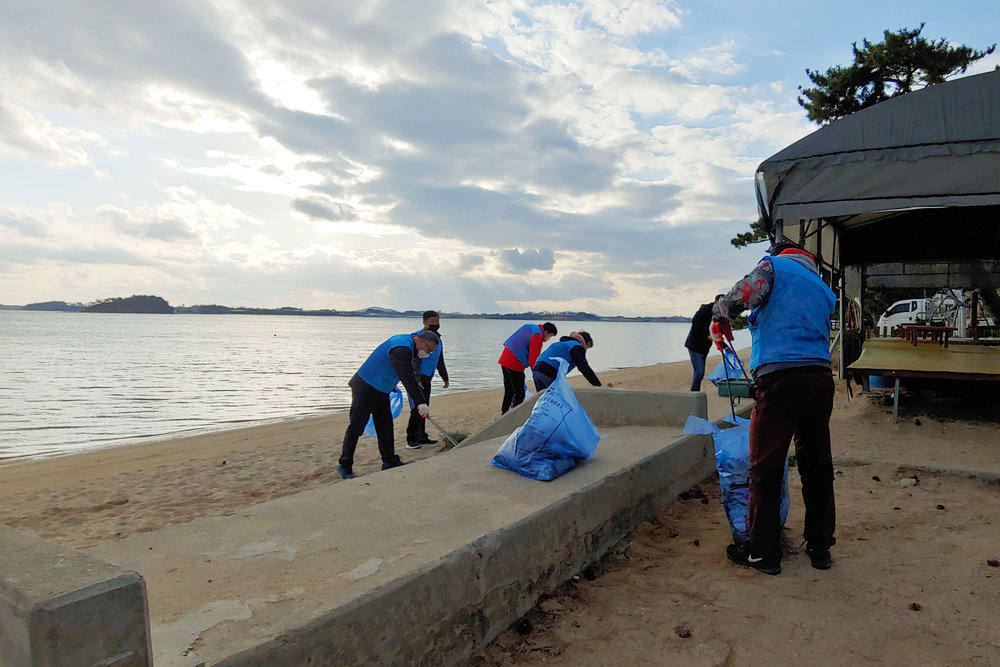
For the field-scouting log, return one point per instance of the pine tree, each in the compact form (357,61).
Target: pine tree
(904,61)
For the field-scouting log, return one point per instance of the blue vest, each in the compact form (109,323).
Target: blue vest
(520,340)
(560,350)
(793,325)
(377,369)
(429,365)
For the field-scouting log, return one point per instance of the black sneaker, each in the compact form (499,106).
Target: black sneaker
(412,445)
(820,558)
(395,464)
(427,441)
(345,472)
(740,554)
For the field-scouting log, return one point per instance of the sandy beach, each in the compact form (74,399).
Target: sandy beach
(915,580)
(81,499)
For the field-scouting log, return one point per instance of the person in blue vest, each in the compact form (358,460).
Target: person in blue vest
(520,351)
(573,349)
(416,431)
(789,320)
(389,363)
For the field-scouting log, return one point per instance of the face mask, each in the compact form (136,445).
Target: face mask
(434,327)
(422,354)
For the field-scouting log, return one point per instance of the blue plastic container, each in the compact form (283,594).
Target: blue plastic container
(879,382)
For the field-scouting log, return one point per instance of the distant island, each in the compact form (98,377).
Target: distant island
(155,304)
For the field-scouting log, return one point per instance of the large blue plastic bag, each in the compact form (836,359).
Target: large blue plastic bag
(731,362)
(732,460)
(556,436)
(395,405)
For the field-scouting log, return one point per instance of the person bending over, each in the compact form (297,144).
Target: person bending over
(389,363)
(520,351)
(572,349)
(699,342)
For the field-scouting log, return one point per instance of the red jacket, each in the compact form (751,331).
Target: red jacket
(509,359)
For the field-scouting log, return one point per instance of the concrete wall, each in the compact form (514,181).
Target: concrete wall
(61,607)
(459,603)
(611,407)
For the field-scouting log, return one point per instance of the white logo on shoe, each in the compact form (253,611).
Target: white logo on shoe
(751,559)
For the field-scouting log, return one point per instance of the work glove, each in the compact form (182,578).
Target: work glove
(444,385)
(424,411)
(719,333)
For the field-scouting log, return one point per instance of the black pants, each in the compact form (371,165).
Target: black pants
(513,389)
(793,404)
(416,429)
(367,401)
(543,374)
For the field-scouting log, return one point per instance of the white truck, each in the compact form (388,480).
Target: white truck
(944,308)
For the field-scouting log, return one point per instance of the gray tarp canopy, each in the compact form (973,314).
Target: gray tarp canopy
(916,177)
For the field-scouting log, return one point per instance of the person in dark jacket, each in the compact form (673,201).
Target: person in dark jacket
(389,363)
(416,429)
(520,351)
(572,349)
(789,321)
(699,343)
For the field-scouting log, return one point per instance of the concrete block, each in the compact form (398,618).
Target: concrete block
(611,407)
(62,607)
(442,613)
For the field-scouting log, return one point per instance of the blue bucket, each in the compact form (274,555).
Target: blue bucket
(879,382)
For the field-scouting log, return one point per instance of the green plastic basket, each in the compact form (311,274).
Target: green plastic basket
(737,388)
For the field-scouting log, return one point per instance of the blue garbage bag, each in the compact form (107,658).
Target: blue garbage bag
(395,405)
(732,460)
(557,435)
(731,362)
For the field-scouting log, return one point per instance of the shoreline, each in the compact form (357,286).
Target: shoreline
(82,499)
(158,440)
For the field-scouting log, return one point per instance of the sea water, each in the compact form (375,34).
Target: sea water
(78,381)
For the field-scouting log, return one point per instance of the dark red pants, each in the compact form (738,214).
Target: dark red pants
(791,404)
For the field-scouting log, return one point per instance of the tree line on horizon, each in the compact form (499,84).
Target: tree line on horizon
(149,304)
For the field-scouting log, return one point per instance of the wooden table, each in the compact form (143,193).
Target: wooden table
(913,332)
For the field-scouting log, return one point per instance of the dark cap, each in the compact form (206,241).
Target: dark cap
(778,248)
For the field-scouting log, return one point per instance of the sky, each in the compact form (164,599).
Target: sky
(461,155)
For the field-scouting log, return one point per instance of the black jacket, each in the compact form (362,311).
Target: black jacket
(698,340)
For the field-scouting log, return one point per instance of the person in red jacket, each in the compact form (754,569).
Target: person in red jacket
(520,351)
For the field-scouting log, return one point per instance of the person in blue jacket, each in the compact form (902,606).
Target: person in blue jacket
(389,363)
(416,430)
(572,349)
(521,351)
(789,320)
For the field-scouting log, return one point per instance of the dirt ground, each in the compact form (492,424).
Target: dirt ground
(916,578)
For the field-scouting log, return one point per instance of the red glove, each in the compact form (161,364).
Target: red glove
(719,333)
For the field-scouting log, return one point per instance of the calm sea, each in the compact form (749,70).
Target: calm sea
(77,381)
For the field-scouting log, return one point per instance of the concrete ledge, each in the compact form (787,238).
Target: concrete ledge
(422,564)
(611,407)
(62,607)
(461,602)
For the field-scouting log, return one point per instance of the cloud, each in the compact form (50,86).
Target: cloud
(334,154)
(156,228)
(324,209)
(469,261)
(527,260)
(23,134)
